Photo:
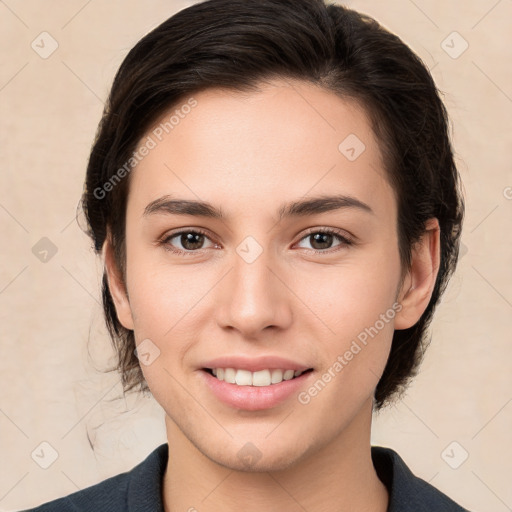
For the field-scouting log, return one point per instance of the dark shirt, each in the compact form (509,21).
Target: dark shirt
(140,490)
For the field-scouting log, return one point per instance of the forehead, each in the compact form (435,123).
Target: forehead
(286,140)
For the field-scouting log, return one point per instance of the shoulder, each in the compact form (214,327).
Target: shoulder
(138,489)
(110,494)
(407,491)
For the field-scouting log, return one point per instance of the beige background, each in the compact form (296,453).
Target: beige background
(50,388)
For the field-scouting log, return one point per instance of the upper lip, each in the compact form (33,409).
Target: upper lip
(255,364)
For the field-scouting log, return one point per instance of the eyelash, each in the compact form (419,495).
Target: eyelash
(345,242)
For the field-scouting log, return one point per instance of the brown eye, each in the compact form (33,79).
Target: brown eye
(184,242)
(191,241)
(322,240)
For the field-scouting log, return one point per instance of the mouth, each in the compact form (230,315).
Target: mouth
(266,377)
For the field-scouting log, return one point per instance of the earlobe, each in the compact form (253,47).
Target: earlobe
(419,283)
(117,287)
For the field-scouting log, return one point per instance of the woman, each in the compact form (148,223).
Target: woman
(273,190)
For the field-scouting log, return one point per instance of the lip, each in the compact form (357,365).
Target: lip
(254,398)
(255,364)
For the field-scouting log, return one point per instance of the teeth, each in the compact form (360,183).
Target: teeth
(259,378)
(243,378)
(277,376)
(288,374)
(230,375)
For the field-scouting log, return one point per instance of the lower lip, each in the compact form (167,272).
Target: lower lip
(254,398)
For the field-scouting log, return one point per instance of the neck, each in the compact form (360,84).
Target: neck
(338,477)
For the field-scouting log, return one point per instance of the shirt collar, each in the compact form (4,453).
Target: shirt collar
(406,491)
(146,482)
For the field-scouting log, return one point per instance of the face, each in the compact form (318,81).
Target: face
(293,265)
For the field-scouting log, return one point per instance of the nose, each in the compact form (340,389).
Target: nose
(255,297)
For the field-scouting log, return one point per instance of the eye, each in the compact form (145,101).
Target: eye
(322,239)
(191,241)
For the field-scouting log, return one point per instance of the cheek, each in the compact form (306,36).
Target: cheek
(164,297)
(353,342)
(165,308)
(352,295)
(160,292)
(355,307)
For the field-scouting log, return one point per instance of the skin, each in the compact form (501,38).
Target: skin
(248,154)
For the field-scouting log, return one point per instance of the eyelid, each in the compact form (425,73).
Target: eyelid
(163,240)
(335,231)
(345,238)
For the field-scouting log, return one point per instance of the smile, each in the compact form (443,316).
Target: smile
(260,378)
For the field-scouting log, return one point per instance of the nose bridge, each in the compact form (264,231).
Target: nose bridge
(255,298)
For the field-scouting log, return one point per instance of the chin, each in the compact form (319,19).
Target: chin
(253,457)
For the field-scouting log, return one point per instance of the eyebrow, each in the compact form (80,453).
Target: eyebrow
(301,208)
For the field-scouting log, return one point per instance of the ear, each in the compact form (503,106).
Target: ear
(420,280)
(117,286)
